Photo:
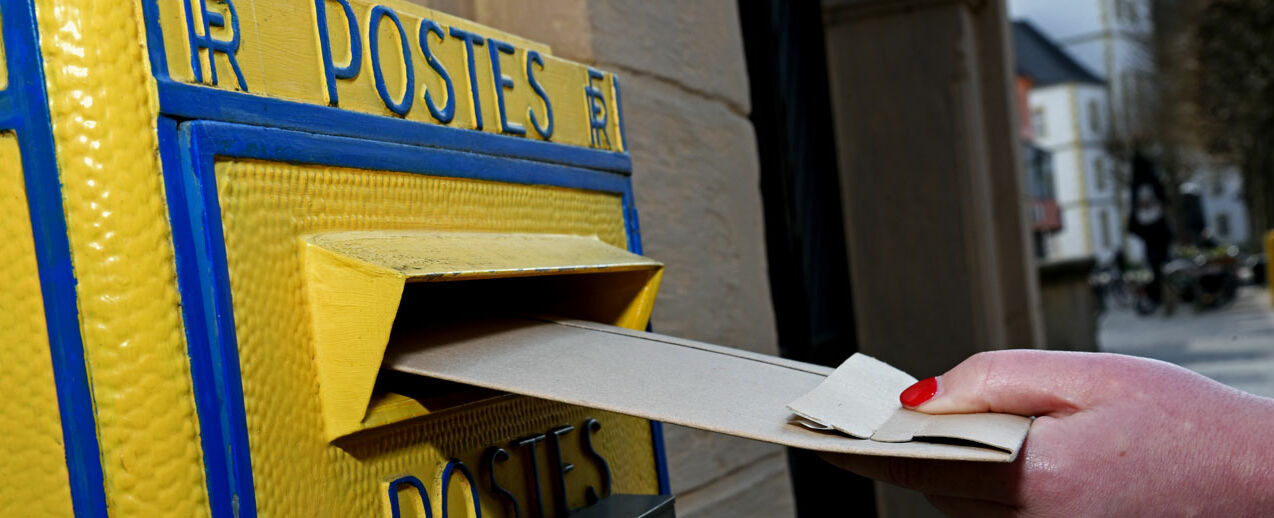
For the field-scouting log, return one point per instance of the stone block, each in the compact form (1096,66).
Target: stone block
(761,488)
(697,45)
(696,180)
(563,25)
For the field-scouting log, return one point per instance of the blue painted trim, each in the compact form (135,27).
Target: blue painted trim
(447,472)
(661,457)
(228,48)
(546,132)
(395,512)
(470,39)
(185,101)
(619,112)
(218,382)
(503,82)
(448,113)
(28,115)
(196,315)
(155,39)
(331,72)
(402,106)
(597,112)
(283,145)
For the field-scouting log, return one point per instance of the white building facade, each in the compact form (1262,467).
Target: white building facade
(1070,121)
(1221,189)
(1111,38)
(1071,118)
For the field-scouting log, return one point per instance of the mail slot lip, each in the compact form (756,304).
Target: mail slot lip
(480,255)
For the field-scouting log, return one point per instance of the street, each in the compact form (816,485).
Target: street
(1233,345)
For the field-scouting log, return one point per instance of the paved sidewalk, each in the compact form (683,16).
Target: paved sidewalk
(1233,345)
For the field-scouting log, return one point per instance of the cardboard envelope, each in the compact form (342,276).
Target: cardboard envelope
(852,409)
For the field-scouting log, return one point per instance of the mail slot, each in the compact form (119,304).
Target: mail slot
(365,287)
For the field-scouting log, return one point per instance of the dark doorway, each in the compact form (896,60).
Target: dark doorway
(805,239)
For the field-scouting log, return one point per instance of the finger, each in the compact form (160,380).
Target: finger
(960,507)
(993,481)
(1022,382)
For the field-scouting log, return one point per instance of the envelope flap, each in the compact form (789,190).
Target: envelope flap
(861,399)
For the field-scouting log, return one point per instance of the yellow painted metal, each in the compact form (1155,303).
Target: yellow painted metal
(439,256)
(33,478)
(267,210)
(279,56)
(103,112)
(355,281)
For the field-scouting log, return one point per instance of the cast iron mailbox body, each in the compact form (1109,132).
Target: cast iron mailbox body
(167,164)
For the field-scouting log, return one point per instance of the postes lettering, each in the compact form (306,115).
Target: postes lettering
(213,31)
(543,499)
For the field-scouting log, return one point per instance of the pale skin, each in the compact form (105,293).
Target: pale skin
(1115,436)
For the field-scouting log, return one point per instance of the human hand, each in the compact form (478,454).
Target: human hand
(1115,436)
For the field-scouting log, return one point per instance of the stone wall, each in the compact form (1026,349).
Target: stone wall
(696,178)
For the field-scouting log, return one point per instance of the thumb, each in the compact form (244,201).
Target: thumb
(1022,382)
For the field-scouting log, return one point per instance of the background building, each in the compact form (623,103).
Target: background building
(1037,171)
(1220,186)
(1069,118)
(1116,40)
(1112,38)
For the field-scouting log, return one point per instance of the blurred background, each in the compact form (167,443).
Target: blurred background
(921,180)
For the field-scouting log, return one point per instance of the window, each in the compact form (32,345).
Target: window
(1101,174)
(1103,219)
(1223,225)
(1218,186)
(1037,121)
(1094,116)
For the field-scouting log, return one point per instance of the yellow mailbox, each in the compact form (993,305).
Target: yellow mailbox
(217,212)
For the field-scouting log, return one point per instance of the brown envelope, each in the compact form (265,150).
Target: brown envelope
(702,386)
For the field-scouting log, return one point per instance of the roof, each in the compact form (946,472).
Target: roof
(1039,58)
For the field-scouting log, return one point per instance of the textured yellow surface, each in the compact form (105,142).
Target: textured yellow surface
(103,111)
(33,479)
(355,281)
(266,207)
(279,56)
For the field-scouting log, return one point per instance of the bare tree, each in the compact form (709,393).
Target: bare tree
(1218,90)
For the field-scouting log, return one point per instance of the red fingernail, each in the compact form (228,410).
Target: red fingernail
(917,394)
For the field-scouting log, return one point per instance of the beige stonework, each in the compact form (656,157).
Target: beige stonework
(694,45)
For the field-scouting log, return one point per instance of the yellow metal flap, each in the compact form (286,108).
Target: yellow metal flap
(355,284)
(435,256)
